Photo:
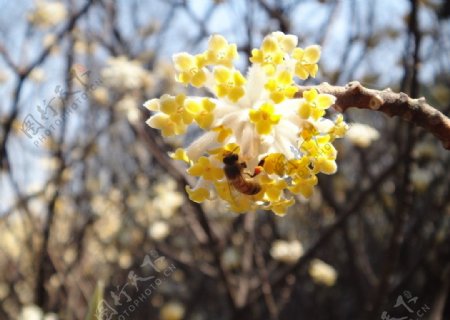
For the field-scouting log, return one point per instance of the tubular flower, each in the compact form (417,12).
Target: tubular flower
(198,195)
(270,55)
(204,168)
(173,117)
(261,146)
(315,104)
(179,154)
(202,111)
(230,83)
(220,52)
(190,69)
(264,118)
(282,87)
(287,42)
(222,133)
(306,61)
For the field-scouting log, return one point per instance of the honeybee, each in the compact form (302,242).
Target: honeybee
(235,175)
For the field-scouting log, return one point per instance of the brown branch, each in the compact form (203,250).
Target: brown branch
(277,14)
(23,75)
(247,261)
(416,111)
(327,234)
(214,243)
(266,287)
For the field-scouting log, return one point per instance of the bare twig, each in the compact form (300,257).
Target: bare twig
(416,111)
(24,73)
(247,261)
(328,232)
(214,243)
(403,192)
(266,288)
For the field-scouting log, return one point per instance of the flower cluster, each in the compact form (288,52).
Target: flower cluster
(122,74)
(280,136)
(47,14)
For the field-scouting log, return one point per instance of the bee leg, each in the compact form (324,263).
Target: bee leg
(261,162)
(257,171)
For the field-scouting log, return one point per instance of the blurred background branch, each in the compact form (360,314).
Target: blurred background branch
(89,195)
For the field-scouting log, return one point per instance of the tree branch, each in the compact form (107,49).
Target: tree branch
(416,111)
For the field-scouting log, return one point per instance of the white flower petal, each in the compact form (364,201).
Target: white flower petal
(288,108)
(222,111)
(285,138)
(205,142)
(254,88)
(323,125)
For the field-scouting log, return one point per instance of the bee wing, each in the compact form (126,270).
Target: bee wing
(234,193)
(240,200)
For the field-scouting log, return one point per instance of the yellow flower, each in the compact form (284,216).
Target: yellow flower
(220,153)
(170,104)
(287,42)
(168,126)
(326,148)
(324,165)
(173,118)
(238,202)
(152,105)
(223,190)
(282,87)
(229,83)
(315,104)
(242,204)
(264,118)
(202,111)
(269,56)
(281,206)
(275,163)
(306,61)
(282,141)
(340,127)
(299,167)
(190,69)
(273,188)
(322,153)
(222,133)
(179,154)
(305,187)
(197,195)
(204,168)
(316,147)
(220,52)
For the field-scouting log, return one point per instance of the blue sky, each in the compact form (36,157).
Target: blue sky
(228,18)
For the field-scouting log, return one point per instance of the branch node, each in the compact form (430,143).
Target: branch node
(354,86)
(417,111)
(375,102)
(403,97)
(422,101)
(414,106)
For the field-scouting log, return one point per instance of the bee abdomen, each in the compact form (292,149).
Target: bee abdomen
(246,187)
